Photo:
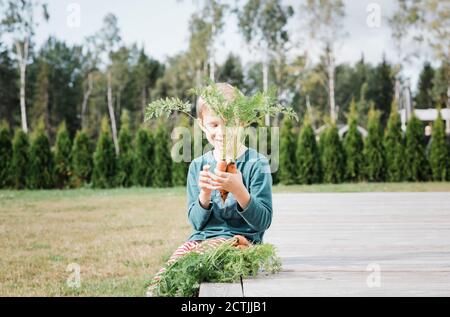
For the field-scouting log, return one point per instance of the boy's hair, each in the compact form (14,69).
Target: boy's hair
(226,89)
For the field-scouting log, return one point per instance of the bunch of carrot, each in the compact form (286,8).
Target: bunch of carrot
(230,167)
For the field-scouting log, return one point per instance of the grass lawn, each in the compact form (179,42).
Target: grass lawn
(118,237)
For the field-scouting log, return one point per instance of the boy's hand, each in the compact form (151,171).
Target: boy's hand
(227,181)
(204,181)
(232,183)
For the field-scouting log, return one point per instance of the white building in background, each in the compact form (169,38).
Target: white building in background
(406,107)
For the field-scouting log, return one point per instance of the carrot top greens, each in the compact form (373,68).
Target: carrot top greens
(223,264)
(237,114)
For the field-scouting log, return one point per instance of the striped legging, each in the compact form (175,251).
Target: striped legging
(189,246)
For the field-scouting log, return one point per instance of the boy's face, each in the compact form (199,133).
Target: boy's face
(214,128)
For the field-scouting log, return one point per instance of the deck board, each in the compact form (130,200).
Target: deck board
(330,242)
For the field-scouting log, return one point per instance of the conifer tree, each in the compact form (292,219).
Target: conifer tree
(180,169)
(162,173)
(103,175)
(333,156)
(63,151)
(81,160)
(394,147)
(374,155)
(417,168)
(20,159)
(40,173)
(274,160)
(438,156)
(143,158)
(353,145)
(5,156)
(288,164)
(308,156)
(125,158)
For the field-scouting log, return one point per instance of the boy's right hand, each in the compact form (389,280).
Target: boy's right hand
(205,187)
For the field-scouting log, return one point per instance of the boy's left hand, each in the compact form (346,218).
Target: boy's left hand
(227,181)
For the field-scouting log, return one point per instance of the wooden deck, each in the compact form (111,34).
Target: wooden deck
(355,244)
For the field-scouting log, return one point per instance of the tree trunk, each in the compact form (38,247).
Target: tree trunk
(198,75)
(310,112)
(331,72)
(22,62)
(447,122)
(48,125)
(111,113)
(212,68)
(143,101)
(86,97)
(205,69)
(266,81)
(212,62)
(23,108)
(119,106)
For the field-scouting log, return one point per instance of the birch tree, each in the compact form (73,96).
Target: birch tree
(426,21)
(19,20)
(324,18)
(263,24)
(109,40)
(90,63)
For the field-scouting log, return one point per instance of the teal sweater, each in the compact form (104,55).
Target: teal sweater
(230,219)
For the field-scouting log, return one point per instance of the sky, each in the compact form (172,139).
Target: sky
(162,28)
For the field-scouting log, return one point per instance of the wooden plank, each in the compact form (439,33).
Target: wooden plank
(220,290)
(327,242)
(341,283)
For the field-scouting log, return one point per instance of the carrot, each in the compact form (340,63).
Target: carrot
(241,242)
(222,167)
(229,168)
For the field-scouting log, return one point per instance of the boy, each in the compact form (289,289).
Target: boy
(247,212)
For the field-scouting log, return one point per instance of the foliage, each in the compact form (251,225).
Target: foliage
(381,89)
(333,156)
(439,151)
(231,72)
(241,111)
(374,154)
(424,97)
(40,173)
(144,158)
(417,168)
(20,159)
(353,145)
(222,264)
(162,173)
(394,147)
(308,156)
(288,160)
(81,160)
(63,149)
(5,156)
(125,158)
(164,107)
(180,169)
(103,175)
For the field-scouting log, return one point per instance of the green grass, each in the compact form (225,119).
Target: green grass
(118,237)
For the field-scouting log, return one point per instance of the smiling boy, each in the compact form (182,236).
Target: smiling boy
(247,212)
(248,208)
